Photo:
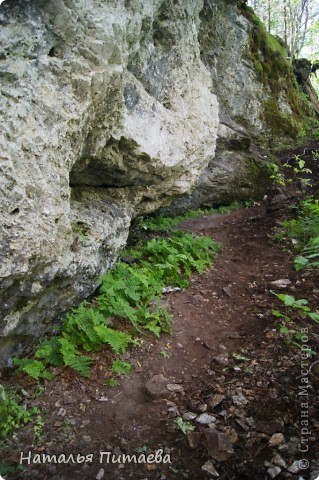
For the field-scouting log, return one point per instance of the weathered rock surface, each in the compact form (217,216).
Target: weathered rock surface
(110,110)
(253,112)
(107,112)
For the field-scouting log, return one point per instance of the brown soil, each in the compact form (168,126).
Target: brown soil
(226,342)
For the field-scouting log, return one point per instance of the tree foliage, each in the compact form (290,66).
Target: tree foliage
(296,22)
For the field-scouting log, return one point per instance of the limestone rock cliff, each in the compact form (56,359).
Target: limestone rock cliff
(259,104)
(110,110)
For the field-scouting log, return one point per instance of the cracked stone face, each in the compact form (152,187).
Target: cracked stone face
(88,141)
(110,110)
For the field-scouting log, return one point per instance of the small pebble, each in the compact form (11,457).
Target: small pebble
(279,461)
(295,467)
(205,419)
(209,468)
(202,407)
(174,387)
(273,472)
(239,400)
(276,439)
(189,416)
(100,474)
(222,359)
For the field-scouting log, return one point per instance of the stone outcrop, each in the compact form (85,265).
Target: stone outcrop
(259,104)
(110,110)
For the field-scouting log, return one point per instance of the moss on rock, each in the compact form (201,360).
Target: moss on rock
(269,57)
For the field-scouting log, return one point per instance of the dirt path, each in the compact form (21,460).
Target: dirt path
(226,359)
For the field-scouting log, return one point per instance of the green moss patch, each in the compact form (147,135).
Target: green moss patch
(269,57)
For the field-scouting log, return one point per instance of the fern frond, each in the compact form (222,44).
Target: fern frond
(72,357)
(49,351)
(117,340)
(312,249)
(67,348)
(80,364)
(123,368)
(35,368)
(79,325)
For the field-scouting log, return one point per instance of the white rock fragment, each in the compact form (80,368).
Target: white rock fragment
(100,474)
(282,283)
(202,407)
(295,467)
(279,461)
(188,416)
(240,400)
(205,419)
(209,468)
(174,387)
(170,289)
(273,472)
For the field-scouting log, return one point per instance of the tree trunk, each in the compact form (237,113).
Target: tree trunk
(269,16)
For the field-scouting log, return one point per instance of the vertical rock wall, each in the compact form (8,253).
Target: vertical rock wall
(107,112)
(259,104)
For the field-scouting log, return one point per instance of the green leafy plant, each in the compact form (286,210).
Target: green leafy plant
(6,468)
(84,329)
(142,449)
(310,255)
(304,232)
(13,414)
(72,357)
(301,305)
(132,291)
(164,353)
(35,368)
(240,357)
(295,310)
(112,382)
(175,258)
(249,203)
(129,293)
(299,171)
(275,175)
(184,426)
(120,367)
(175,470)
(38,429)
(249,370)
(81,229)
(68,431)
(119,341)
